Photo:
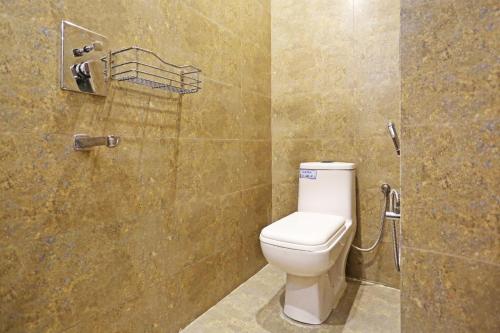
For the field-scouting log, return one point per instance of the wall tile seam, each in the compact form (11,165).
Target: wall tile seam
(192,263)
(219,25)
(256,92)
(292,93)
(240,190)
(244,189)
(230,85)
(451,255)
(263,44)
(312,138)
(198,139)
(431,123)
(218,139)
(263,6)
(392,71)
(379,38)
(43,135)
(364,27)
(300,139)
(212,21)
(206,78)
(189,265)
(144,138)
(296,182)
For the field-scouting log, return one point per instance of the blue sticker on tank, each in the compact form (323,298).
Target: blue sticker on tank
(310,174)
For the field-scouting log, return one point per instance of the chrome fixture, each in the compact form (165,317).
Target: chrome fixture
(394,136)
(85,76)
(97,46)
(144,67)
(394,206)
(88,65)
(390,212)
(85,142)
(393,214)
(81,67)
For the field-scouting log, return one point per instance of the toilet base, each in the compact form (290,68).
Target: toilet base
(311,299)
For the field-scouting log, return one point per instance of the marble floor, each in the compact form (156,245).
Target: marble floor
(256,306)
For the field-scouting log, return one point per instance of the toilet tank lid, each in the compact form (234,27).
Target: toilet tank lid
(304,228)
(328,165)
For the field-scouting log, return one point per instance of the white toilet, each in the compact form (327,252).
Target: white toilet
(311,245)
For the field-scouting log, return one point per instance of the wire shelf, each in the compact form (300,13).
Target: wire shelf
(144,67)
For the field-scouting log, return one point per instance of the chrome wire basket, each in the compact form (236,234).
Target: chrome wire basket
(144,67)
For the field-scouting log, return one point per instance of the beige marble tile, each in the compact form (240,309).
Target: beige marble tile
(126,240)
(450,183)
(284,199)
(442,293)
(214,114)
(256,169)
(255,118)
(457,68)
(446,186)
(209,166)
(287,156)
(255,24)
(227,14)
(378,162)
(255,62)
(375,18)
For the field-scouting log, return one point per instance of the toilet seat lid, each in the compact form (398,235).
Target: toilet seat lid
(304,228)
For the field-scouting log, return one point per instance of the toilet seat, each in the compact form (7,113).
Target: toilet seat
(305,231)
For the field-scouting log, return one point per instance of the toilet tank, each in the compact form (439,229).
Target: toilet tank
(328,187)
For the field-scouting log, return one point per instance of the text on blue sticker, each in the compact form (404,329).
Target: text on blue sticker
(310,174)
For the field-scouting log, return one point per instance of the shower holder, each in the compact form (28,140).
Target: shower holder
(144,67)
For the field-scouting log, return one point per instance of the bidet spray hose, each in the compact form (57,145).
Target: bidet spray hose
(386,189)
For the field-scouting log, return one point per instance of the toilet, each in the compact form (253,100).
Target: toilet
(311,245)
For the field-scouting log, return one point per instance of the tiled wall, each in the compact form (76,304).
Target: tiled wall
(450,174)
(377,100)
(335,85)
(146,236)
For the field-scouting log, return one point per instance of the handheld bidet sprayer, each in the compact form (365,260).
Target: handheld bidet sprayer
(394,136)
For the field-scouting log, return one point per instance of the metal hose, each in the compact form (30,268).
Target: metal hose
(390,196)
(395,244)
(386,189)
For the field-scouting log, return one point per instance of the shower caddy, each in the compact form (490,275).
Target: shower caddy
(88,65)
(144,67)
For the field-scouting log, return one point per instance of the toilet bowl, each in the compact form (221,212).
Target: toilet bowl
(312,244)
